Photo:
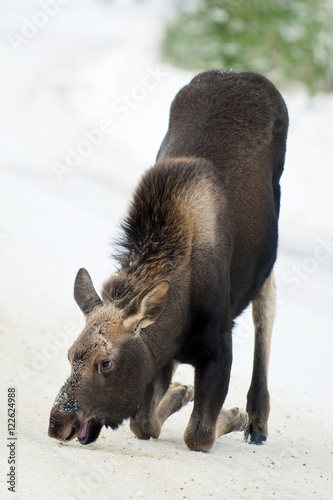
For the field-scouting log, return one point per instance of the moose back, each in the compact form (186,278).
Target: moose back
(198,245)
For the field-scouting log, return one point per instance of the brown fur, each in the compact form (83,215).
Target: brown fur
(158,249)
(199,243)
(263,309)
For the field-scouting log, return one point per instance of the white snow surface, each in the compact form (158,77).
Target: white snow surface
(62,82)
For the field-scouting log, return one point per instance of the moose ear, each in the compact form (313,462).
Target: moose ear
(84,292)
(146,307)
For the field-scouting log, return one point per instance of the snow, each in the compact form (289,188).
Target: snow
(96,63)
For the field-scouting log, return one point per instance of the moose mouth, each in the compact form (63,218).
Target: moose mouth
(89,431)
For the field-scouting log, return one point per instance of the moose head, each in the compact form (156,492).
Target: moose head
(111,364)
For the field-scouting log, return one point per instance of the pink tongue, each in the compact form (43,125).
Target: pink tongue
(84,430)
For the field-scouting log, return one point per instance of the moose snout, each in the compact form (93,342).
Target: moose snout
(62,427)
(64,423)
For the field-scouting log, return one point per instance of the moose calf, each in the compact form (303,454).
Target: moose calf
(199,243)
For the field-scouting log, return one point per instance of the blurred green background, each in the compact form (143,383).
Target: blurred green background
(287,40)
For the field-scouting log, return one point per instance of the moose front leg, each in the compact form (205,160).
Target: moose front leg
(208,421)
(161,400)
(263,312)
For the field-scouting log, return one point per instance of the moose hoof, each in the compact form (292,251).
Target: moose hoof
(258,438)
(254,437)
(185,393)
(239,418)
(189,394)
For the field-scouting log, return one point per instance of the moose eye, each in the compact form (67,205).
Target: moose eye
(105,365)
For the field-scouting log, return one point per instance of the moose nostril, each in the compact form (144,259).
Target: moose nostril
(62,432)
(71,434)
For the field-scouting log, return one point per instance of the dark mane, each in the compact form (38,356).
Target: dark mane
(155,239)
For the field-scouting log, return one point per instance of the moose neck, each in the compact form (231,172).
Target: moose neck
(157,234)
(174,203)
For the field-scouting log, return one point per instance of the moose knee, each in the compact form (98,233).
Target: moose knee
(199,439)
(145,430)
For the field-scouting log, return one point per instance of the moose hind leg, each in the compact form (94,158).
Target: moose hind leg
(263,312)
(230,421)
(175,398)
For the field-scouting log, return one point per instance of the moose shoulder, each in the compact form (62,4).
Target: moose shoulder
(199,243)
